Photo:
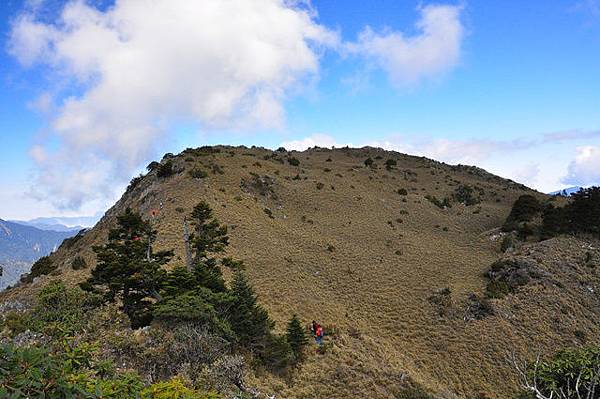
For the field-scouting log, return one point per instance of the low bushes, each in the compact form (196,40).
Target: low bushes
(570,373)
(37,373)
(525,208)
(42,266)
(507,275)
(198,173)
(444,203)
(466,194)
(78,263)
(165,169)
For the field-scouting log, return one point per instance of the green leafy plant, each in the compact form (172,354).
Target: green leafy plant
(570,374)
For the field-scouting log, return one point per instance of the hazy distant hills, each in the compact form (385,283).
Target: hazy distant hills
(21,245)
(74,223)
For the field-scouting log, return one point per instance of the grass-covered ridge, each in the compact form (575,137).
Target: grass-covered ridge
(399,281)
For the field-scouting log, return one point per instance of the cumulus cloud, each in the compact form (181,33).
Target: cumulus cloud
(315,140)
(584,170)
(137,68)
(407,59)
(528,174)
(467,151)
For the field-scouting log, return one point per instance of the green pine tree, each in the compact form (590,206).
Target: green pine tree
(128,269)
(296,336)
(208,237)
(248,319)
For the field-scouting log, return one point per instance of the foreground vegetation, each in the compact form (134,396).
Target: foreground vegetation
(193,313)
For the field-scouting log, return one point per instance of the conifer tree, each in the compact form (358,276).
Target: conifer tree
(296,336)
(127,268)
(248,319)
(208,237)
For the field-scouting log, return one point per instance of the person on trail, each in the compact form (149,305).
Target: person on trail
(319,335)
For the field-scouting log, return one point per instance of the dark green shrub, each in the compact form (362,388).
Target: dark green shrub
(497,289)
(165,169)
(293,161)
(42,266)
(390,163)
(368,162)
(466,195)
(198,173)
(478,308)
(134,182)
(584,211)
(508,242)
(78,263)
(192,307)
(507,275)
(217,169)
(59,308)
(15,322)
(402,191)
(444,203)
(152,166)
(525,208)
(276,353)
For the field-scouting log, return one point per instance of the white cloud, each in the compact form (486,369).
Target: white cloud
(139,67)
(467,151)
(410,59)
(528,174)
(584,170)
(315,140)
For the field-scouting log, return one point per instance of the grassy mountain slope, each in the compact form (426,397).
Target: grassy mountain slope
(334,240)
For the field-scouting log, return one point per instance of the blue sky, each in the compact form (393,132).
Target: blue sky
(510,86)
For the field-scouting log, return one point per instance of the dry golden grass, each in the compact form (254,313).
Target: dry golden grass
(356,254)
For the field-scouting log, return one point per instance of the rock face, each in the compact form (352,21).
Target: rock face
(21,245)
(360,248)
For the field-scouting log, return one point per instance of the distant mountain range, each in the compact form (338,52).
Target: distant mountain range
(21,245)
(66,223)
(566,192)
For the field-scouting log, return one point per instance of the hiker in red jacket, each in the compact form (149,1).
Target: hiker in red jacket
(319,335)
